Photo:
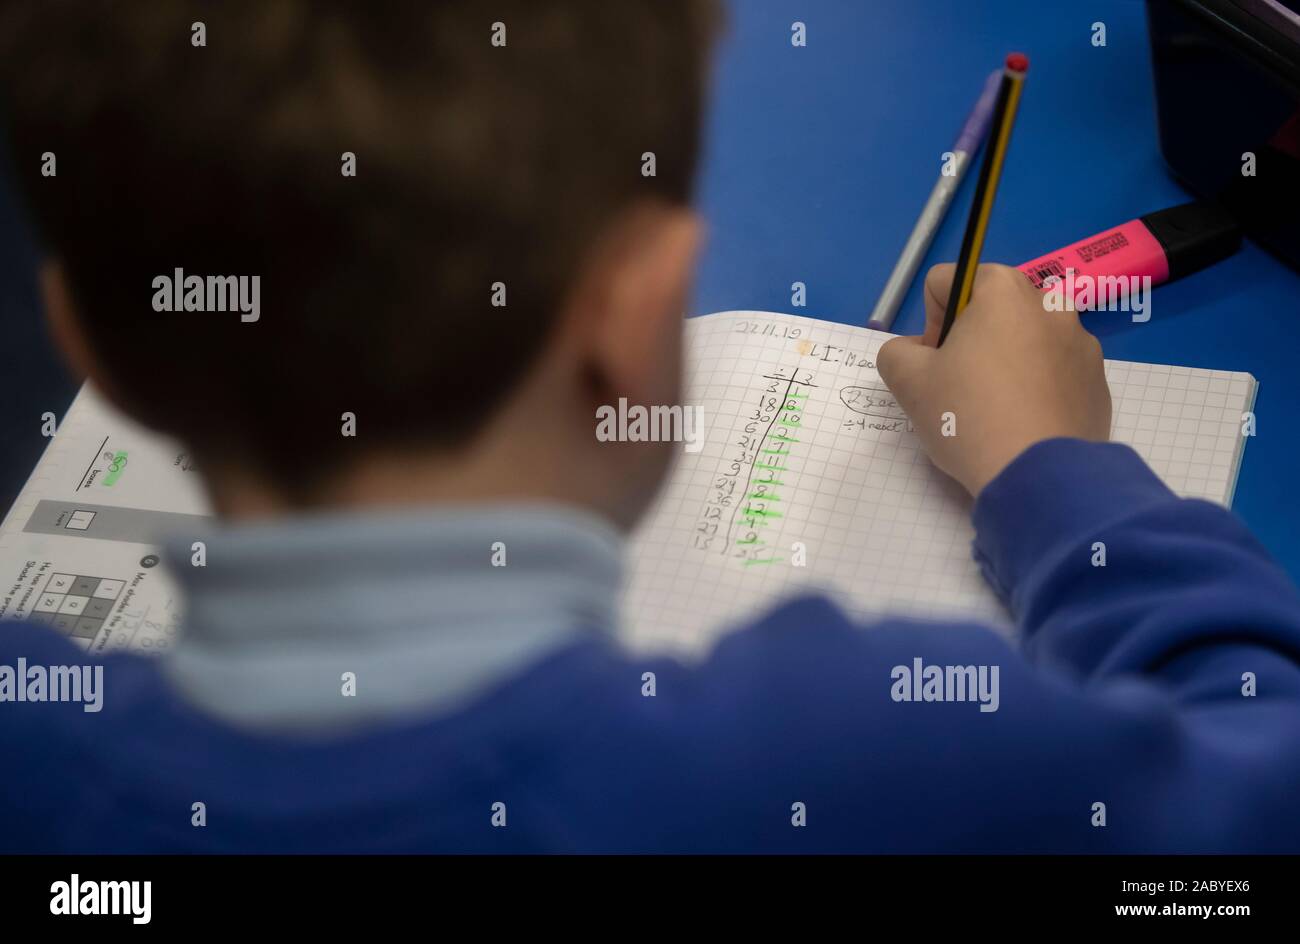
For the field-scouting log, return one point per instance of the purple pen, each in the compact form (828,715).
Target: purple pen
(954,169)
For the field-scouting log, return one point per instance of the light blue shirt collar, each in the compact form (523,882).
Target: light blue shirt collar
(414,612)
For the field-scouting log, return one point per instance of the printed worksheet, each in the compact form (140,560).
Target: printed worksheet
(78,548)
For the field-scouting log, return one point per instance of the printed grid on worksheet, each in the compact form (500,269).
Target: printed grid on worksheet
(881,529)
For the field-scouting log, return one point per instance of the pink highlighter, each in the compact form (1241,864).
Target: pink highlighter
(1160,246)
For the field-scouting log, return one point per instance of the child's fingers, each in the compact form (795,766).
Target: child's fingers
(902,362)
(999,290)
(990,279)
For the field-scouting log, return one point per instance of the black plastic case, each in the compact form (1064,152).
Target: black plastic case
(1227,78)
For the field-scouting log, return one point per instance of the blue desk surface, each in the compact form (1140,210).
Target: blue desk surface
(818,160)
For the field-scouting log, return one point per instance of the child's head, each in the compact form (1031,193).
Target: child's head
(501,246)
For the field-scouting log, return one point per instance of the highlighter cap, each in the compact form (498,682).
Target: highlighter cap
(1194,235)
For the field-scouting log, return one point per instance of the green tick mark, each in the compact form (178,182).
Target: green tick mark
(115,468)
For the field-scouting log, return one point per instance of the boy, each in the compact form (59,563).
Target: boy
(494,709)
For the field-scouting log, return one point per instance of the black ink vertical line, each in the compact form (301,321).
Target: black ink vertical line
(92,464)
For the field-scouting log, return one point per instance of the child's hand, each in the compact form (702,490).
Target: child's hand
(1009,374)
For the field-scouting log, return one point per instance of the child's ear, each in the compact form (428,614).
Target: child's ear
(65,328)
(641,282)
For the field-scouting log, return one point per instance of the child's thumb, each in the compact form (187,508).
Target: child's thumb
(938,286)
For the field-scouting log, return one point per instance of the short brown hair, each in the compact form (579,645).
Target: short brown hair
(476,163)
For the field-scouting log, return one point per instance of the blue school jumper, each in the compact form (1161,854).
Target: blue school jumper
(1151,705)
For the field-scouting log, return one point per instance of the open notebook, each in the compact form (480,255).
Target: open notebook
(809,476)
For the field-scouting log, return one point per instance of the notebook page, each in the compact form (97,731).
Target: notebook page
(811,479)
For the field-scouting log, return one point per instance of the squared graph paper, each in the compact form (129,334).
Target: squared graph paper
(810,479)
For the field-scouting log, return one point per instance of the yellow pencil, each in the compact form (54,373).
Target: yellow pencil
(968,260)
